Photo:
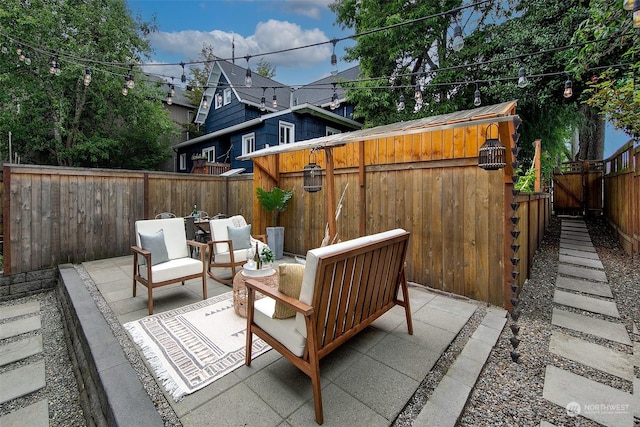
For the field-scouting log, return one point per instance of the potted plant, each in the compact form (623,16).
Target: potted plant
(275,201)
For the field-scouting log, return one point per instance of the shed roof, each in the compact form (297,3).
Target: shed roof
(485,114)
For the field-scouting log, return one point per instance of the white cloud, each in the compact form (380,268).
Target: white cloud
(310,8)
(270,36)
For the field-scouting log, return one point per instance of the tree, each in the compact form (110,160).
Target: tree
(265,69)
(57,119)
(500,38)
(613,88)
(200,74)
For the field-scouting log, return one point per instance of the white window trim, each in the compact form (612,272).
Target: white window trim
(183,161)
(210,154)
(291,131)
(227,96)
(248,143)
(332,131)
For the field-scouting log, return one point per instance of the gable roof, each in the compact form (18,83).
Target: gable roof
(481,115)
(320,92)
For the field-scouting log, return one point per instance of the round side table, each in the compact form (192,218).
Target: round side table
(269,277)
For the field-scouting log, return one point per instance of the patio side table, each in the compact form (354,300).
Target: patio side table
(268,276)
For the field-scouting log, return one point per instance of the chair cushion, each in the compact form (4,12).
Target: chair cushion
(218,228)
(240,237)
(154,243)
(283,330)
(174,269)
(175,237)
(289,283)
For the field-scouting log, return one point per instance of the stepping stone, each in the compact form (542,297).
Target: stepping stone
(19,350)
(20,326)
(584,262)
(21,381)
(584,286)
(34,415)
(546,424)
(576,247)
(594,305)
(584,273)
(595,401)
(19,310)
(593,355)
(590,325)
(582,237)
(636,397)
(581,254)
(580,243)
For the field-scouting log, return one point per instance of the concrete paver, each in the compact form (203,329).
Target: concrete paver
(19,327)
(34,415)
(577,253)
(10,311)
(20,349)
(590,325)
(584,286)
(581,272)
(598,402)
(596,356)
(21,381)
(584,262)
(582,302)
(577,247)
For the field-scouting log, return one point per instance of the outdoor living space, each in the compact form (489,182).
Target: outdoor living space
(369,381)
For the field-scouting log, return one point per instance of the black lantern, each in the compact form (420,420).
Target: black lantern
(312,176)
(492,155)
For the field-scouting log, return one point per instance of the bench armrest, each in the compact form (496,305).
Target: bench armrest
(295,304)
(197,244)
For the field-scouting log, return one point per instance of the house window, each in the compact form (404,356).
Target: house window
(227,96)
(218,100)
(286,133)
(248,143)
(332,131)
(210,154)
(183,161)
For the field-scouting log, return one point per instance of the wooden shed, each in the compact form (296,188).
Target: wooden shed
(421,175)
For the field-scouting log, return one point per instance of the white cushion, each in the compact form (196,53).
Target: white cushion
(311,265)
(238,256)
(283,330)
(218,228)
(175,236)
(174,269)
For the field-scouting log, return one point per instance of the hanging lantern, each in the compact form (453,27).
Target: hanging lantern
(312,176)
(492,155)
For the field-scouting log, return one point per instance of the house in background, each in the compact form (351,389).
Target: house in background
(182,112)
(239,119)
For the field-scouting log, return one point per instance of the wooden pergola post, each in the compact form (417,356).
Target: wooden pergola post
(331,194)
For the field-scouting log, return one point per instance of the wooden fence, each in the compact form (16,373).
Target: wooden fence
(622,196)
(54,215)
(577,188)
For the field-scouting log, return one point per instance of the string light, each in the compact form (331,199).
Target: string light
(274,103)
(334,58)
(125,90)
(477,100)
(568,88)
(169,99)
(87,76)
(636,14)
(263,101)
(458,40)
(522,78)
(5,48)
(183,79)
(401,104)
(247,77)
(627,4)
(27,59)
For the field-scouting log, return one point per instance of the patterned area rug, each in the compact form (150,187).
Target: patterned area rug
(191,347)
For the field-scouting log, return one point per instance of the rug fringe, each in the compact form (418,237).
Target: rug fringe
(150,352)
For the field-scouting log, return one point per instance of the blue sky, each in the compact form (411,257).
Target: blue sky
(258,27)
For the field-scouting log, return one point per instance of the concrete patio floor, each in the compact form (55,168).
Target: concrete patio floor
(366,382)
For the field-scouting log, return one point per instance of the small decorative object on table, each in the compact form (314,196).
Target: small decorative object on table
(266,257)
(268,276)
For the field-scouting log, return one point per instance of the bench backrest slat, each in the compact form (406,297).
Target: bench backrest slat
(355,287)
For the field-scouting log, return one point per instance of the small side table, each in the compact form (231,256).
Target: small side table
(269,278)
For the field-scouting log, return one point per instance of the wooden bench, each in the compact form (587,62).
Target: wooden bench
(345,287)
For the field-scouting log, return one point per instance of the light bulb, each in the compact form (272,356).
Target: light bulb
(458,41)
(337,102)
(125,90)
(477,100)
(219,98)
(27,59)
(334,60)
(5,48)
(627,4)
(401,103)
(87,76)
(169,99)
(418,106)
(522,78)
(21,55)
(636,14)
(263,105)
(172,90)
(57,71)
(274,103)
(418,92)
(130,82)
(205,104)
(568,89)
(247,78)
